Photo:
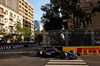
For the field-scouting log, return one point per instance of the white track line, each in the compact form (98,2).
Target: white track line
(65,60)
(66,65)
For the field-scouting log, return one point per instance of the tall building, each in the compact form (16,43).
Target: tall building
(25,9)
(8,20)
(38,25)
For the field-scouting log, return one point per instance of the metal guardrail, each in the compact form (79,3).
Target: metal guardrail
(5,46)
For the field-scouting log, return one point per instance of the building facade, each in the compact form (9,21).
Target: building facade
(8,20)
(87,6)
(25,9)
(38,25)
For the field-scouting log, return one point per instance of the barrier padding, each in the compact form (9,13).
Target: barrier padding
(84,50)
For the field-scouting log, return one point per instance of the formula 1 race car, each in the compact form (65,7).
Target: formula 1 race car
(57,53)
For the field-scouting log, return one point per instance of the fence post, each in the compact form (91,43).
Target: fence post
(45,39)
(92,37)
(66,32)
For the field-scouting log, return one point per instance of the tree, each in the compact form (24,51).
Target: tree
(26,33)
(97,8)
(51,19)
(6,37)
(39,35)
(66,8)
(19,29)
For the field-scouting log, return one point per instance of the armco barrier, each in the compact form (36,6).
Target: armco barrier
(84,49)
(15,46)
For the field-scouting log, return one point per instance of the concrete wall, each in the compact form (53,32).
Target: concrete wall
(2,2)
(96,19)
(13,4)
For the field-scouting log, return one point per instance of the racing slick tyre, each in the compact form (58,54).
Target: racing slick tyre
(38,53)
(62,55)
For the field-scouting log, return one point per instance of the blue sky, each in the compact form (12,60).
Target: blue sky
(37,5)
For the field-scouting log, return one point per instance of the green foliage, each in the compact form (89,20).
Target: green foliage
(26,33)
(51,18)
(66,8)
(97,8)
(39,38)
(39,35)
(9,36)
(18,27)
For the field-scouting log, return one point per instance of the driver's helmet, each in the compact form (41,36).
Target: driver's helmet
(53,48)
(71,51)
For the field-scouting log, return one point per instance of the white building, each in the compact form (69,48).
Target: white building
(8,20)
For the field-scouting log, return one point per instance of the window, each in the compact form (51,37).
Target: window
(1,10)
(17,17)
(6,12)
(14,16)
(1,19)
(88,0)
(22,3)
(10,22)
(10,29)
(11,14)
(5,20)
(89,22)
(1,27)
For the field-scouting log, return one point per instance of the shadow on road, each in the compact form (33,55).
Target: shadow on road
(18,53)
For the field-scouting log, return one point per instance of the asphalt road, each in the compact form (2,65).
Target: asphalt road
(21,57)
(27,57)
(92,60)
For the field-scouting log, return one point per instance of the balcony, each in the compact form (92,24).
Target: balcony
(19,20)
(11,24)
(11,17)
(13,32)
(5,21)
(1,11)
(25,23)
(3,30)
(1,14)
(2,22)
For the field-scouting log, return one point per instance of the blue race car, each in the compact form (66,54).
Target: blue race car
(48,52)
(57,53)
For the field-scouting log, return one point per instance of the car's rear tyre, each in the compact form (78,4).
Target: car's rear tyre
(63,56)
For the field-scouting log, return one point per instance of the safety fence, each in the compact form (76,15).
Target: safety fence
(84,41)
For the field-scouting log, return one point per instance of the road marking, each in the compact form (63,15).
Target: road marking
(64,60)
(66,63)
(60,62)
